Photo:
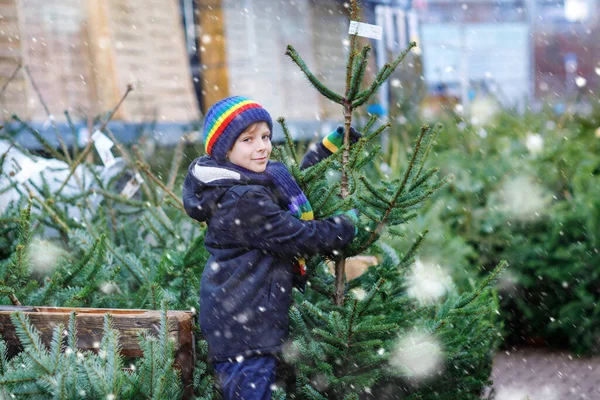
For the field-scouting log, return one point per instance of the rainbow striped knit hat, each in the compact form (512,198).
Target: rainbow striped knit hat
(226,120)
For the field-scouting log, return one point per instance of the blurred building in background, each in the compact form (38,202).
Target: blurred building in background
(242,52)
(184,55)
(82,54)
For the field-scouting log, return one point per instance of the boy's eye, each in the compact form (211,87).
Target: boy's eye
(265,137)
(246,139)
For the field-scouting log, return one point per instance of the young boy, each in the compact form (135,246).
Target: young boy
(260,227)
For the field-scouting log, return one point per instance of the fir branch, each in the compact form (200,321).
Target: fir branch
(319,168)
(289,142)
(3,157)
(56,348)
(399,59)
(90,144)
(360,66)
(10,79)
(63,146)
(370,123)
(30,340)
(364,96)
(424,131)
(146,169)
(40,138)
(430,140)
(413,249)
(73,132)
(428,174)
(130,160)
(72,338)
(175,163)
(373,190)
(293,54)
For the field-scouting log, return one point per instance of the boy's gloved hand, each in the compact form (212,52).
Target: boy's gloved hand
(327,146)
(335,139)
(352,215)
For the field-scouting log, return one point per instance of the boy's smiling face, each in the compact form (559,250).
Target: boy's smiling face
(252,148)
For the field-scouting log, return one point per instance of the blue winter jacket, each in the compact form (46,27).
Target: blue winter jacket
(246,287)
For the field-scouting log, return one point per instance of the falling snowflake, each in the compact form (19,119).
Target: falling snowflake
(522,198)
(580,81)
(418,354)
(534,143)
(428,282)
(359,293)
(44,255)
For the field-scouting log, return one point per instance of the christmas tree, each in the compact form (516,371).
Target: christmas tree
(369,338)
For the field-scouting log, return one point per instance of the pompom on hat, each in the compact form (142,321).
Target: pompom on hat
(227,119)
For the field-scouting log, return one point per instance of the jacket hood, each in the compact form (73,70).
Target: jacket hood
(205,183)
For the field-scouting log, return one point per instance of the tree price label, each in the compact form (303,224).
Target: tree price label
(365,30)
(132,186)
(103,145)
(30,169)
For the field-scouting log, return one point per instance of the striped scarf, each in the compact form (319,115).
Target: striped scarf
(289,194)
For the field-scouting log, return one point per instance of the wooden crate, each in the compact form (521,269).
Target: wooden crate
(90,330)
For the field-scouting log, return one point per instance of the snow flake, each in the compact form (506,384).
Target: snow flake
(262,309)
(580,81)
(44,255)
(242,318)
(215,266)
(239,359)
(359,293)
(253,385)
(597,70)
(419,353)
(428,282)
(534,143)
(108,287)
(522,198)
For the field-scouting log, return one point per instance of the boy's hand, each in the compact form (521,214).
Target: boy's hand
(335,139)
(327,146)
(352,215)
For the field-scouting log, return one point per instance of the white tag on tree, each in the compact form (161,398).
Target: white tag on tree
(29,169)
(103,145)
(132,186)
(102,141)
(365,30)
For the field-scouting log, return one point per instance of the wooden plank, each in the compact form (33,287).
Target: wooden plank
(213,51)
(90,321)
